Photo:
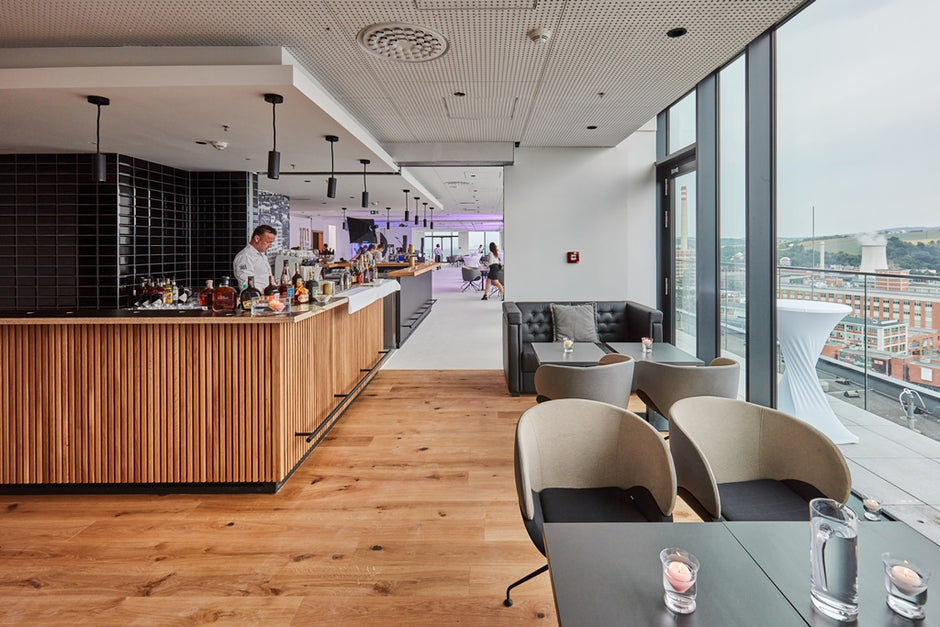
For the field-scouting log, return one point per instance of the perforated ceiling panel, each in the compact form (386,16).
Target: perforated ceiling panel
(540,94)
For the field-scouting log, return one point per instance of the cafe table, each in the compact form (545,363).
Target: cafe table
(751,573)
(583,353)
(663,353)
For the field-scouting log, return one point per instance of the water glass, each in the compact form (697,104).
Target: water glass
(906,583)
(567,344)
(680,575)
(834,559)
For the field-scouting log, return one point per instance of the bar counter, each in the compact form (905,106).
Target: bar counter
(176,401)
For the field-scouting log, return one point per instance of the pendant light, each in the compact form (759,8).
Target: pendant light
(274,157)
(331,182)
(388,220)
(417,198)
(407,191)
(365,192)
(100,163)
(432,217)
(344,219)
(425,214)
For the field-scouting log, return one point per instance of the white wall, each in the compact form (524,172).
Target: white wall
(598,201)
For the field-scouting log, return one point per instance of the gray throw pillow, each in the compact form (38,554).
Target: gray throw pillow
(575,322)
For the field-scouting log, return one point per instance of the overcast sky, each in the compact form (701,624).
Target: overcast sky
(858,104)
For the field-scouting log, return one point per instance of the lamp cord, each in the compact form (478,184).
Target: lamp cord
(98,132)
(274,123)
(332,168)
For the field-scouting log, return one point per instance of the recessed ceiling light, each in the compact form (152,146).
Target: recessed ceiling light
(402,42)
(676,32)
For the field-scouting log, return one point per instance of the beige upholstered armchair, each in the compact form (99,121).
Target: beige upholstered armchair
(740,461)
(660,385)
(610,381)
(578,460)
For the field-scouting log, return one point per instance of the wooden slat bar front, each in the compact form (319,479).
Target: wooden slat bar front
(192,400)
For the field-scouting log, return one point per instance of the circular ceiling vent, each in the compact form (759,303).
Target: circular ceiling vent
(402,42)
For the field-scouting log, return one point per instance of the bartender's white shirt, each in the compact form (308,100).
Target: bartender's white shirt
(250,262)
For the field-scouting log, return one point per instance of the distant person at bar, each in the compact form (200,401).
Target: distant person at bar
(379,255)
(437,253)
(252,260)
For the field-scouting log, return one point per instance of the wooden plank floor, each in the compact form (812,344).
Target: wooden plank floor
(405,515)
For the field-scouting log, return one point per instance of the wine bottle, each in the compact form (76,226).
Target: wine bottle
(271,288)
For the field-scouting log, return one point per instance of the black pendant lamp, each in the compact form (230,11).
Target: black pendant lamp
(100,163)
(432,217)
(331,182)
(344,218)
(407,191)
(388,219)
(417,198)
(274,157)
(425,214)
(365,192)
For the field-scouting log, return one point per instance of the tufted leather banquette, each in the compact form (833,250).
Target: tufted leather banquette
(527,322)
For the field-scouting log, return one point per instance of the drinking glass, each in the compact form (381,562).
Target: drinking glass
(834,559)
(906,583)
(647,344)
(567,344)
(680,575)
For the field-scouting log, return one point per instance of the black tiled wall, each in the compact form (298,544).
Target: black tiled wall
(68,242)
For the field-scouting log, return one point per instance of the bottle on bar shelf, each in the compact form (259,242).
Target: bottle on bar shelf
(271,288)
(167,293)
(285,277)
(301,295)
(297,275)
(248,294)
(156,297)
(205,295)
(286,288)
(176,292)
(223,297)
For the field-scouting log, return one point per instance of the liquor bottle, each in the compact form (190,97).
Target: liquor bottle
(297,274)
(176,292)
(185,294)
(271,288)
(250,292)
(205,295)
(223,297)
(167,293)
(156,299)
(301,295)
(285,278)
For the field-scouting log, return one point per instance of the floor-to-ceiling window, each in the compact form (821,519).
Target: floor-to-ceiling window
(732,330)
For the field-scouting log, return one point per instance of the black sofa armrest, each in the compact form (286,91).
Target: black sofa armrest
(643,321)
(512,347)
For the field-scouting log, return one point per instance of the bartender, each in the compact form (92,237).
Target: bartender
(252,260)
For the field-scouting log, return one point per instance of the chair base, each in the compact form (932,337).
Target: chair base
(535,573)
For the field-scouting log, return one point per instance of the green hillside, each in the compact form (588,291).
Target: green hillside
(915,250)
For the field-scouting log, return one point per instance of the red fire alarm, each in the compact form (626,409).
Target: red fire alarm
(574,256)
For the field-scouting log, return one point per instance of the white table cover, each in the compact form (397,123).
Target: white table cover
(802,328)
(364,295)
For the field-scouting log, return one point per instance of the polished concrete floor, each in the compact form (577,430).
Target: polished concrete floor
(897,466)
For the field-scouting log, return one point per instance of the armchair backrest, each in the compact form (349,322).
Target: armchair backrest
(608,382)
(661,385)
(577,443)
(720,440)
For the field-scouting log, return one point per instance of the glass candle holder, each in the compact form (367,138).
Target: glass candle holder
(906,583)
(567,344)
(680,575)
(872,508)
(647,344)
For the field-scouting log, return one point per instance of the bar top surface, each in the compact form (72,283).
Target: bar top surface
(420,268)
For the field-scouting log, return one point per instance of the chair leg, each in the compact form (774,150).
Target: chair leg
(535,573)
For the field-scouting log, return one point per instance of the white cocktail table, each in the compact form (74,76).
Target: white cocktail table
(802,328)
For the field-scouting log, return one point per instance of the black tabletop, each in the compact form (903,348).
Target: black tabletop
(663,353)
(752,573)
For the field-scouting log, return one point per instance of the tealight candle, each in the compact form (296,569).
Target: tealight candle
(905,580)
(679,576)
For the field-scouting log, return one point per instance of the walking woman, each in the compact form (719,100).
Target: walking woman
(495,275)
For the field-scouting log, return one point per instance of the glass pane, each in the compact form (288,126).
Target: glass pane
(683,201)
(732,224)
(681,123)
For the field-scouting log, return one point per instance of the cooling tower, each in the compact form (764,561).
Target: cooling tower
(874,258)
